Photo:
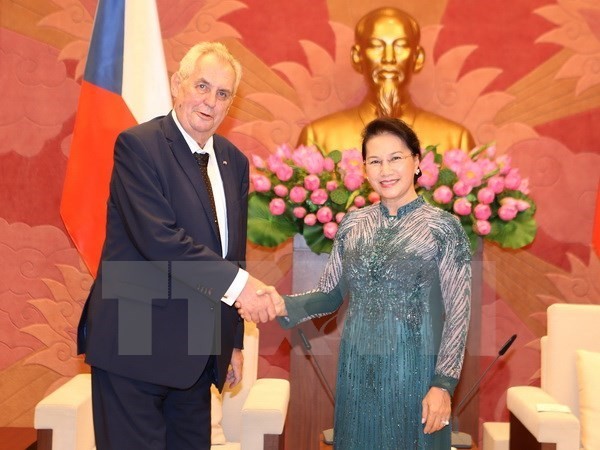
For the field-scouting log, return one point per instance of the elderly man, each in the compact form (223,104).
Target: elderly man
(159,326)
(387,53)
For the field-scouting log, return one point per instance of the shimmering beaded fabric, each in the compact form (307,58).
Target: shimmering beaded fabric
(400,334)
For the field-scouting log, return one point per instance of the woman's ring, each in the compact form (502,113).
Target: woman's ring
(445,422)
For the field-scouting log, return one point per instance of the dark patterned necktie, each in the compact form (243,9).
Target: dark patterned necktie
(202,160)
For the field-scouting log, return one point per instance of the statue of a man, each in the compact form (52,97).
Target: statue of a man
(387,53)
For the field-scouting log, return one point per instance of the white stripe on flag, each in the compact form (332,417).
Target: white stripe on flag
(145,80)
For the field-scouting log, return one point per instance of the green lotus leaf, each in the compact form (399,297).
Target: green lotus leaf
(264,228)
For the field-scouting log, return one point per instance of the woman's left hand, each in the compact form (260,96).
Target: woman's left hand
(436,410)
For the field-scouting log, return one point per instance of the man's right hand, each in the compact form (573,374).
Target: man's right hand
(255,307)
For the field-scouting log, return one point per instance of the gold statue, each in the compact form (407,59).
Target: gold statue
(387,53)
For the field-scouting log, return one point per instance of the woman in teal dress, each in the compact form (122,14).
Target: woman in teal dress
(405,267)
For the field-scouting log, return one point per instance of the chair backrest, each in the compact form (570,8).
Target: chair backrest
(233,399)
(570,327)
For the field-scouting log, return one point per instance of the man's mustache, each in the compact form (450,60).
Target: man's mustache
(382,73)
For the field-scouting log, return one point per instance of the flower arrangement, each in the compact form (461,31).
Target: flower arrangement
(483,191)
(302,191)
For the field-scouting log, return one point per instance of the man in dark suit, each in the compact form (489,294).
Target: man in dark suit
(159,326)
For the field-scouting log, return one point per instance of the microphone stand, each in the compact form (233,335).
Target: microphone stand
(464,440)
(327,434)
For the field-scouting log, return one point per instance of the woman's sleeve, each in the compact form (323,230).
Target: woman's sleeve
(329,293)
(454,264)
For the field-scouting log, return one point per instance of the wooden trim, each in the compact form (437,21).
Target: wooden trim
(44,439)
(521,438)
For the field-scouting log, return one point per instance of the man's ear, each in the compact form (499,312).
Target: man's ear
(175,82)
(419,59)
(356,58)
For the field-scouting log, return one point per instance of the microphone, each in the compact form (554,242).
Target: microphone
(463,440)
(327,434)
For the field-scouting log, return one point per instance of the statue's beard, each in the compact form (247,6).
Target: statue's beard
(388,99)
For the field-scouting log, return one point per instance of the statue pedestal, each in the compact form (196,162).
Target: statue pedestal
(311,405)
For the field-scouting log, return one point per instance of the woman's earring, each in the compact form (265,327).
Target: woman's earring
(418,171)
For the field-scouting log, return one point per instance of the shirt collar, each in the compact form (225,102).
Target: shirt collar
(192,144)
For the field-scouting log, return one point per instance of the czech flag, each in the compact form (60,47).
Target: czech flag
(125,83)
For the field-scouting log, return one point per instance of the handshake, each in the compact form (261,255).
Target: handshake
(259,302)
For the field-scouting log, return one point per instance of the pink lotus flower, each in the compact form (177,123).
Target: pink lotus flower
(284,151)
(312,182)
(429,171)
(373,197)
(280,190)
(328,164)
(487,166)
(359,201)
(486,195)
(503,164)
(443,195)
(496,184)
(261,183)
(471,173)
(454,159)
(512,179)
(524,186)
(274,162)
(331,185)
(482,227)
(508,201)
(461,188)
(330,229)
(353,180)
(284,172)
(299,212)
(324,214)
(319,196)
(508,211)
(351,161)
(298,194)
(339,216)
(462,206)
(310,219)
(277,206)
(311,159)
(522,205)
(258,162)
(482,212)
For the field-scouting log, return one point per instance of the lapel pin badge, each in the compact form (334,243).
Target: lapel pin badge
(225,163)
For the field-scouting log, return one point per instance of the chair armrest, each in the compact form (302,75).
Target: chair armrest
(264,411)
(68,413)
(561,428)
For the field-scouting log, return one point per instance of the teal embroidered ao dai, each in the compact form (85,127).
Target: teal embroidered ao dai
(408,281)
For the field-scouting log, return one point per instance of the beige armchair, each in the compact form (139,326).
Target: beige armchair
(250,411)
(535,417)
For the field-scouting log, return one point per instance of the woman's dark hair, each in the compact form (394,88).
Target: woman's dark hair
(397,127)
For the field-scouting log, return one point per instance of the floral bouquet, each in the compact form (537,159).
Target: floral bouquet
(302,191)
(483,191)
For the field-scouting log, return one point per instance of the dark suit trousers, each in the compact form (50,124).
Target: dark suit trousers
(130,414)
